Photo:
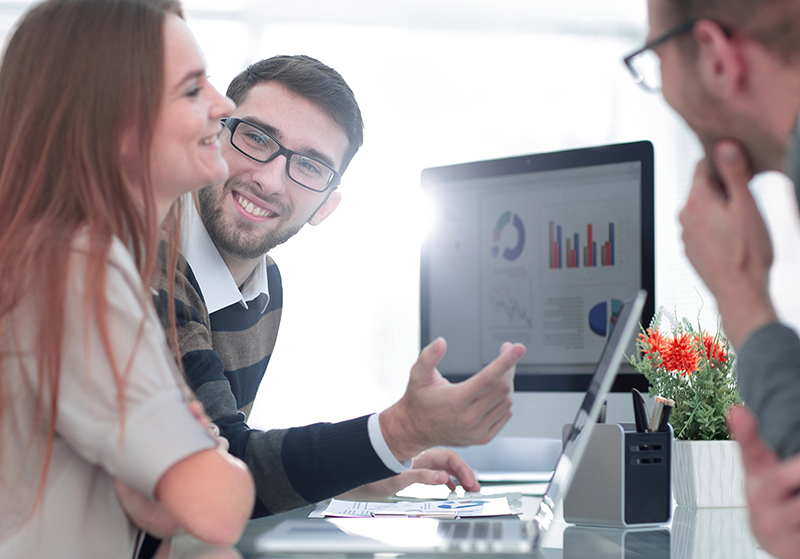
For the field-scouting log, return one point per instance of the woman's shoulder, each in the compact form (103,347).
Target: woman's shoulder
(118,254)
(117,260)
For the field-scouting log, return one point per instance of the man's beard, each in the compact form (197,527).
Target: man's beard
(236,241)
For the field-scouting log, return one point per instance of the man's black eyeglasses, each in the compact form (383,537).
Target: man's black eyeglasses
(644,64)
(261,146)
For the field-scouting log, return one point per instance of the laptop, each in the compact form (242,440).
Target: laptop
(493,536)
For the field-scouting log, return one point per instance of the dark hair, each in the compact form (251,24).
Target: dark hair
(76,77)
(309,78)
(773,23)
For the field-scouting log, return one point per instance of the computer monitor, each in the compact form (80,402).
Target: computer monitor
(541,249)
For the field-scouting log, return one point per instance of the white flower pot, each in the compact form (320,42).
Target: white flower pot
(707,474)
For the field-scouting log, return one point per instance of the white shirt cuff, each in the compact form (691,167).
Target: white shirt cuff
(382,449)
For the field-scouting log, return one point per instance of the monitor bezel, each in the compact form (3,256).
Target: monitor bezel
(642,151)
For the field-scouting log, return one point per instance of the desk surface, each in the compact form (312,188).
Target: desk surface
(692,534)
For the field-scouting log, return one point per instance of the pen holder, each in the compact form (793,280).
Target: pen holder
(623,479)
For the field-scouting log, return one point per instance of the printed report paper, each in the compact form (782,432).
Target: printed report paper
(455,508)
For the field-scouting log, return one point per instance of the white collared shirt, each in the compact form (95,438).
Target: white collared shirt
(216,282)
(219,290)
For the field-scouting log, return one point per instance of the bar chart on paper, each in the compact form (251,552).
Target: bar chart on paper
(576,249)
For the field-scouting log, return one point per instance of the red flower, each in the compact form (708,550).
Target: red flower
(715,352)
(652,342)
(680,354)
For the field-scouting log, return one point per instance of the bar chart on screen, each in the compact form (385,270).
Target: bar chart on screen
(576,249)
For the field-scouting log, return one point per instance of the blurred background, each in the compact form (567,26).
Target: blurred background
(441,82)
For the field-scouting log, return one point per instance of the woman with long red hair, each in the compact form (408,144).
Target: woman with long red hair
(107,118)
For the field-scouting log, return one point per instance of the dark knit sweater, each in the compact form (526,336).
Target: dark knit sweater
(224,356)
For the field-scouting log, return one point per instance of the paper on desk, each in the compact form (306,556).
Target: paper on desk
(456,508)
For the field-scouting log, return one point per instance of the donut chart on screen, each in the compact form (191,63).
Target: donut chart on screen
(510,253)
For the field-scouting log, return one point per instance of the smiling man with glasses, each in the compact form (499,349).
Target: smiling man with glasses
(293,133)
(731,69)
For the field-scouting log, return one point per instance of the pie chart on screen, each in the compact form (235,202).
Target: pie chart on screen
(604,315)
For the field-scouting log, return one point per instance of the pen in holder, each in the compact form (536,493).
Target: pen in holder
(623,479)
(658,419)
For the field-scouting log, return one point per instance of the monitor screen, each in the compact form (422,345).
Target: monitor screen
(541,249)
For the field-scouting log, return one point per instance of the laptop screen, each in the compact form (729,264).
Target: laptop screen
(540,249)
(575,445)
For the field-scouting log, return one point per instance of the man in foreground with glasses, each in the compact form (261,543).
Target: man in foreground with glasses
(294,131)
(731,68)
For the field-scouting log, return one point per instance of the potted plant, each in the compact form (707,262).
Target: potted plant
(697,371)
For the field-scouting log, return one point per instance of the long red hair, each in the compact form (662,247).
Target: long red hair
(76,75)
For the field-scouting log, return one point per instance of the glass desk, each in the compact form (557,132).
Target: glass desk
(692,534)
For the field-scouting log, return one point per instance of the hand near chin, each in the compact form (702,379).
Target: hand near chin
(727,240)
(434,412)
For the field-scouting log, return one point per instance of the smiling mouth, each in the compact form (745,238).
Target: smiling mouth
(210,140)
(251,208)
